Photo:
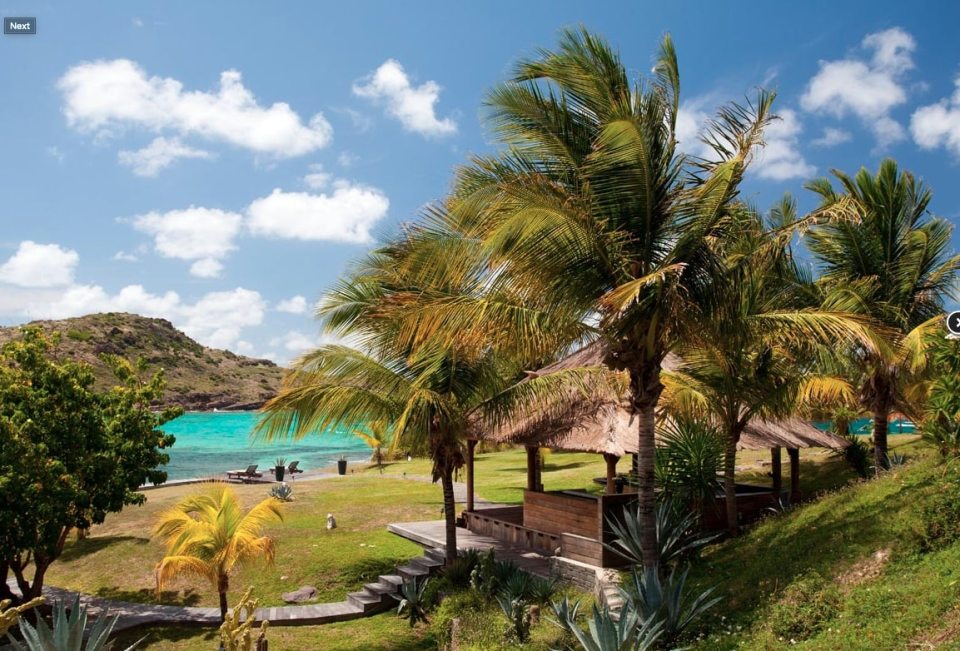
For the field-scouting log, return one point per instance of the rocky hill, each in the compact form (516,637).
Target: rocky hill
(198,378)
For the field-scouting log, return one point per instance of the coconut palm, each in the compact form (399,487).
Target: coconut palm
(752,356)
(894,260)
(593,211)
(375,435)
(208,535)
(423,395)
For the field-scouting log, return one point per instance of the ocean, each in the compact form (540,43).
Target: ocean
(211,443)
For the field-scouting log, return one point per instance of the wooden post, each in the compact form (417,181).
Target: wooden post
(532,464)
(794,455)
(776,470)
(611,460)
(471,444)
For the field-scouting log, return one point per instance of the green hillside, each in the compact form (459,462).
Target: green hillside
(875,566)
(198,378)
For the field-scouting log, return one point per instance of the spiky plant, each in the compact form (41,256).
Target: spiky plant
(208,535)
(69,632)
(412,603)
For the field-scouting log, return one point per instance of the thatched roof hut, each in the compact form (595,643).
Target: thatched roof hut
(602,423)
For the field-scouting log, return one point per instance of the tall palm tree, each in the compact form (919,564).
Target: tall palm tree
(893,258)
(752,356)
(594,214)
(208,535)
(424,394)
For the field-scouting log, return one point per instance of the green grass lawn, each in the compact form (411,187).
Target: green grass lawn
(335,562)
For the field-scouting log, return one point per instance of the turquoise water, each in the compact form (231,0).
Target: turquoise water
(864,426)
(211,443)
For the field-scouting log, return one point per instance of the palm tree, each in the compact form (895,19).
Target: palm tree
(376,436)
(752,356)
(593,215)
(208,535)
(893,258)
(423,395)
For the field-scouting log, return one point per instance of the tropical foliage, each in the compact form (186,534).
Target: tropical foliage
(70,631)
(237,632)
(889,259)
(208,535)
(69,455)
(941,417)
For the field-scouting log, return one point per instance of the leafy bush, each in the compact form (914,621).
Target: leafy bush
(517,611)
(941,419)
(940,515)
(67,633)
(858,455)
(472,608)
(804,608)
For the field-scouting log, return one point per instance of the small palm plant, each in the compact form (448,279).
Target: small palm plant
(412,603)
(376,436)
(208,535)
(67,634)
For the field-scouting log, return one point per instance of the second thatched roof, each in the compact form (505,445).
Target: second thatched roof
(604,425)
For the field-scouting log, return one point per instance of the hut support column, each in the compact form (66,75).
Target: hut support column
(794,455)
(776,470)
(471,444)
(611,460)
(533,465)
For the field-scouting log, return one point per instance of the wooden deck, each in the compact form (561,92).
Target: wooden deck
(433,534)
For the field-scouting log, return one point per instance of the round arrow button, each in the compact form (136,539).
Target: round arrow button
(953,323)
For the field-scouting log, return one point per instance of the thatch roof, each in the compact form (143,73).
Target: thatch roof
(603,424)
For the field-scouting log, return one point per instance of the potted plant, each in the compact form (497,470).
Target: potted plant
(280,468)
(342,465)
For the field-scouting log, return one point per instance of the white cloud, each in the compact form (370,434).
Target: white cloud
(56,153)
(294,305)
(103,97)
(346,159)
(316,178)
(295,342)
(345,215)
(217,319)
(938,125)
(123,256)
(691,119)
(39,265)
(413,106)
(158,155)
(204,235)
(832,137)
(780,159)
(867,89)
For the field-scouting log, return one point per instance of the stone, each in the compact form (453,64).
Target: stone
(304,593)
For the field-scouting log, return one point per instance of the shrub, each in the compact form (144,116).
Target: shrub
(858,456)
(460,604)
(282,492)
(803,609)
(678,534)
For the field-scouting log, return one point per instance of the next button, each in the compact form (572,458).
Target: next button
(20,25)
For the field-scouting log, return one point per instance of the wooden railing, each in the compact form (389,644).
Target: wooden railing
(507,524)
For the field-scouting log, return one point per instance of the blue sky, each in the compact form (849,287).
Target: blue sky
(218,164)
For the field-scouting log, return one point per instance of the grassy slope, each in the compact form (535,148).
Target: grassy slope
(197,377)
(902,602)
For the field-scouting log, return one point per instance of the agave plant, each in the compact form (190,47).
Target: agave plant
(68,629)
(283,492)
(412,603)
(653,598)
(678,534)
(605,633)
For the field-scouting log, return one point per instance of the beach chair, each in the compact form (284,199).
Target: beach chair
(292,469)
(244,475)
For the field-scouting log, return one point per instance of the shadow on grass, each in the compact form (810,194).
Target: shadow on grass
(146,596)
(94,544)
(154,634)
(366,570)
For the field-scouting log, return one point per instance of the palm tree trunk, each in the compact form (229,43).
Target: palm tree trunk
(449,515)
(730,483)
(881,459)
(646,495)
(222,586)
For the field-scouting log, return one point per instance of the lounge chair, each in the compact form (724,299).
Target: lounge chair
(243,475)
(292,469)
